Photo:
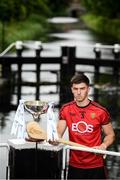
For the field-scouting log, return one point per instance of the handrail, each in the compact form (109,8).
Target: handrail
(93,150)
(94,46)
(4,145)
(87,149)
(38,45)
(20,45)
(7,49)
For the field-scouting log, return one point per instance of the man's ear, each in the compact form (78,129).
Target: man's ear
(89,89)
(71,89)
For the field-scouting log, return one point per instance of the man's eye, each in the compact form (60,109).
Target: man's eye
(75,89)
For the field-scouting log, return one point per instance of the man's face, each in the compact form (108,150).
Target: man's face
(80,91)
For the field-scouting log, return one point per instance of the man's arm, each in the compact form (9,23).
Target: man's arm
(109,136)
(61,127)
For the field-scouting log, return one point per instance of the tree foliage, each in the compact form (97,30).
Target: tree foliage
(108,8)
(6,10)
(58,7)
(37,7)
(21,9)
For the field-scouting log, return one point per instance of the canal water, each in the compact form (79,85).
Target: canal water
(84,40)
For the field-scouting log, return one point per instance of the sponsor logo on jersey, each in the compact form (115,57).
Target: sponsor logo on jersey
(82,127)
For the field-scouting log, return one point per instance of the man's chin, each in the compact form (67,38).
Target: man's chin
(79,100)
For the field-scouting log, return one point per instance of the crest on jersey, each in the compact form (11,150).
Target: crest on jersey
(92,115)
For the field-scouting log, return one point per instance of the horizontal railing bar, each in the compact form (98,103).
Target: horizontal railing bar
(23,83)
(30,60)
(96,45)
(93,150)
(4,145)
(58,60)
(41,70)
(44,46)
(95,62)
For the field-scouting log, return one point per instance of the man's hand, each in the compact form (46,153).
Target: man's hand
(101,146)
(55,143)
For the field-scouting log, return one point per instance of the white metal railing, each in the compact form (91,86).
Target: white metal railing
(7,49)
(65,156)
(5,145)
(37,45)
(19,45)
(98,46)
(92,150)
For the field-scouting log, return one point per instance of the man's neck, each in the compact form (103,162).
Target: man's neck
(83,103)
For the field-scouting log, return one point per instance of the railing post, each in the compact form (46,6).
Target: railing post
(19,49)
(116,53)
(66,72)
(97,52)
(5,70)
(38,49)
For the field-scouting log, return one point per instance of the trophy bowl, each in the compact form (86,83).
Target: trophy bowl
(36,108)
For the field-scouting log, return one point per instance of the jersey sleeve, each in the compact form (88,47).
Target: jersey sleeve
(105,119)
(62,114)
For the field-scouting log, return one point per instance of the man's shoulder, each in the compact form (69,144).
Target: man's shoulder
(99,106)
(71,103)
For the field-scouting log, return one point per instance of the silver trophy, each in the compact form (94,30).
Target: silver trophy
(36,108)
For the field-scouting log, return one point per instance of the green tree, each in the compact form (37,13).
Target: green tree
(58,7)
(21,9)
(5,16)
(37,7)
(107,8)
(6,10)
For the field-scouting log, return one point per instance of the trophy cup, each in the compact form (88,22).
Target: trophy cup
(36,108)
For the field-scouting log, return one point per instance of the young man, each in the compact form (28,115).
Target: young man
(86,121)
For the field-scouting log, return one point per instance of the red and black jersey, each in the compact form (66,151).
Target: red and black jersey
(85,126)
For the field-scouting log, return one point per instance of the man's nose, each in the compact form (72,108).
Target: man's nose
(79,91)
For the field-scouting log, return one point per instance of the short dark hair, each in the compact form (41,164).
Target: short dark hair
(79,78)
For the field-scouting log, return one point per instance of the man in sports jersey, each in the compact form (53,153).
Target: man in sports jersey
(86,121)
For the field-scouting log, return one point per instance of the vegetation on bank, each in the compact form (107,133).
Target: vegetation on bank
(106,29)
(35,27)
(26,20)
(103,17)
